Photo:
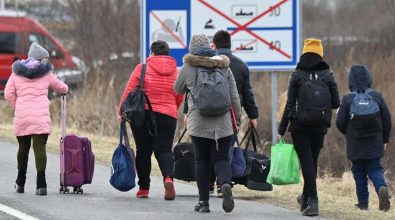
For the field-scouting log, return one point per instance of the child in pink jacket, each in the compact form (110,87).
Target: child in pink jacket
(27,92)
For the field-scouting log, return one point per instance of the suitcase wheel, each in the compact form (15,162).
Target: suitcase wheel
(64,189)
(78,190)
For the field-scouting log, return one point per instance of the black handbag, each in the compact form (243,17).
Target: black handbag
(184,160)
(133,108)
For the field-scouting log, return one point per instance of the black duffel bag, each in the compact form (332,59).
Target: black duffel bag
(184,160)
(258,165)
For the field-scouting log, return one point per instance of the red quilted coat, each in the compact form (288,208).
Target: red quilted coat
(158,84)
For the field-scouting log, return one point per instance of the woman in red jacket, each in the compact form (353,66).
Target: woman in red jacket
(158,85)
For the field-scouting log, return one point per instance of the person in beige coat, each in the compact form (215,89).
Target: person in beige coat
(211,135)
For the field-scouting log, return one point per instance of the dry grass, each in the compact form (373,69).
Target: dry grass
(337,198)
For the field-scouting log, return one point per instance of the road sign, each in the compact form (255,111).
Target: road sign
(265,34)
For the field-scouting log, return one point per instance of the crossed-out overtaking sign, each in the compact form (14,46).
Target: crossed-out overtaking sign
(265,33)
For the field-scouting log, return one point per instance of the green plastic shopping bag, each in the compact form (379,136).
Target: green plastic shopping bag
(284,164)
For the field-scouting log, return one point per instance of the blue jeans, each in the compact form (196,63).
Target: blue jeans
(362,169)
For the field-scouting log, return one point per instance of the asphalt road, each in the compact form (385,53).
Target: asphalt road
(101,201)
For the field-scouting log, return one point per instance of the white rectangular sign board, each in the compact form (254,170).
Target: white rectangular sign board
(265,33)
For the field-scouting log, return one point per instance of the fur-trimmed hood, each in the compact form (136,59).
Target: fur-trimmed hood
(31,69)
(220,61)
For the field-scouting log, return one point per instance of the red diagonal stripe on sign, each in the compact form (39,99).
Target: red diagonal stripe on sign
(168,29)
(246,29)
(245,46)
(271,8)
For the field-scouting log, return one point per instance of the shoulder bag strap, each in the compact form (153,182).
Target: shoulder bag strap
(253,140)
(257,139)
(245,136)
(253,136)
(182,135)
(142,75)
(124,139)
(152,127)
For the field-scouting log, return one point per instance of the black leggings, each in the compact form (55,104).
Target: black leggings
(308,146)
(207,153)
(39,142)
(161,146)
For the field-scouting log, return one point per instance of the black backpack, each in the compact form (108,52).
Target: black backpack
(258,165)
(210,92)
(184,160)
(133,108)
(314,100)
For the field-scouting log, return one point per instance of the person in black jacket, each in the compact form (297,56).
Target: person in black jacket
(222,42)
(308,138)
(365,152)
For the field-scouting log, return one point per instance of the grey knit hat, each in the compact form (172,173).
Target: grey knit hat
(197,41)
(37,52)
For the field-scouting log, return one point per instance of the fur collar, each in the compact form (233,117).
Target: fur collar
(220,61)
(31,73)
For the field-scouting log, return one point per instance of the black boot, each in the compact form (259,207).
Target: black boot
(362,206)
(20,181)
(312,207)
(41,184)
(202,206)
(302,201)
(384,199)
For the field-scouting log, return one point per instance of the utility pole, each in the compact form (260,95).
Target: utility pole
(2,4)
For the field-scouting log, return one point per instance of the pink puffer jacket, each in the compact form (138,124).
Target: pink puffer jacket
(27,92)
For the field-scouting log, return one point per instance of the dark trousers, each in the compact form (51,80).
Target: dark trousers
(308,146)
(160,145)
(39,143)
(206,153)
(213,177)
(362,169)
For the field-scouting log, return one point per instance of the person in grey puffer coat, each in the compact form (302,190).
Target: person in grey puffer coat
(211,136)
(365,152)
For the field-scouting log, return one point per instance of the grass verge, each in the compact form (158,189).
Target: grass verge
(337,196)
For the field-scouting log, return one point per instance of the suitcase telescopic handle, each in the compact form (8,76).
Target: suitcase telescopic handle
(63,114)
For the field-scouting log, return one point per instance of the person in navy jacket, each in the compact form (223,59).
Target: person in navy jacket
(365,152)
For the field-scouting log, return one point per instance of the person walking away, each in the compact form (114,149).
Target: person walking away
(364,119)
(27,92)
(211,134)
(241,73)
(160,76)
(312,94)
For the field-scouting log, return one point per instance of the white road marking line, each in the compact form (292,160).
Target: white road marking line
(16,213)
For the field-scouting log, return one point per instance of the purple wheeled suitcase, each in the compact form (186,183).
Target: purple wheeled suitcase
(76,158)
